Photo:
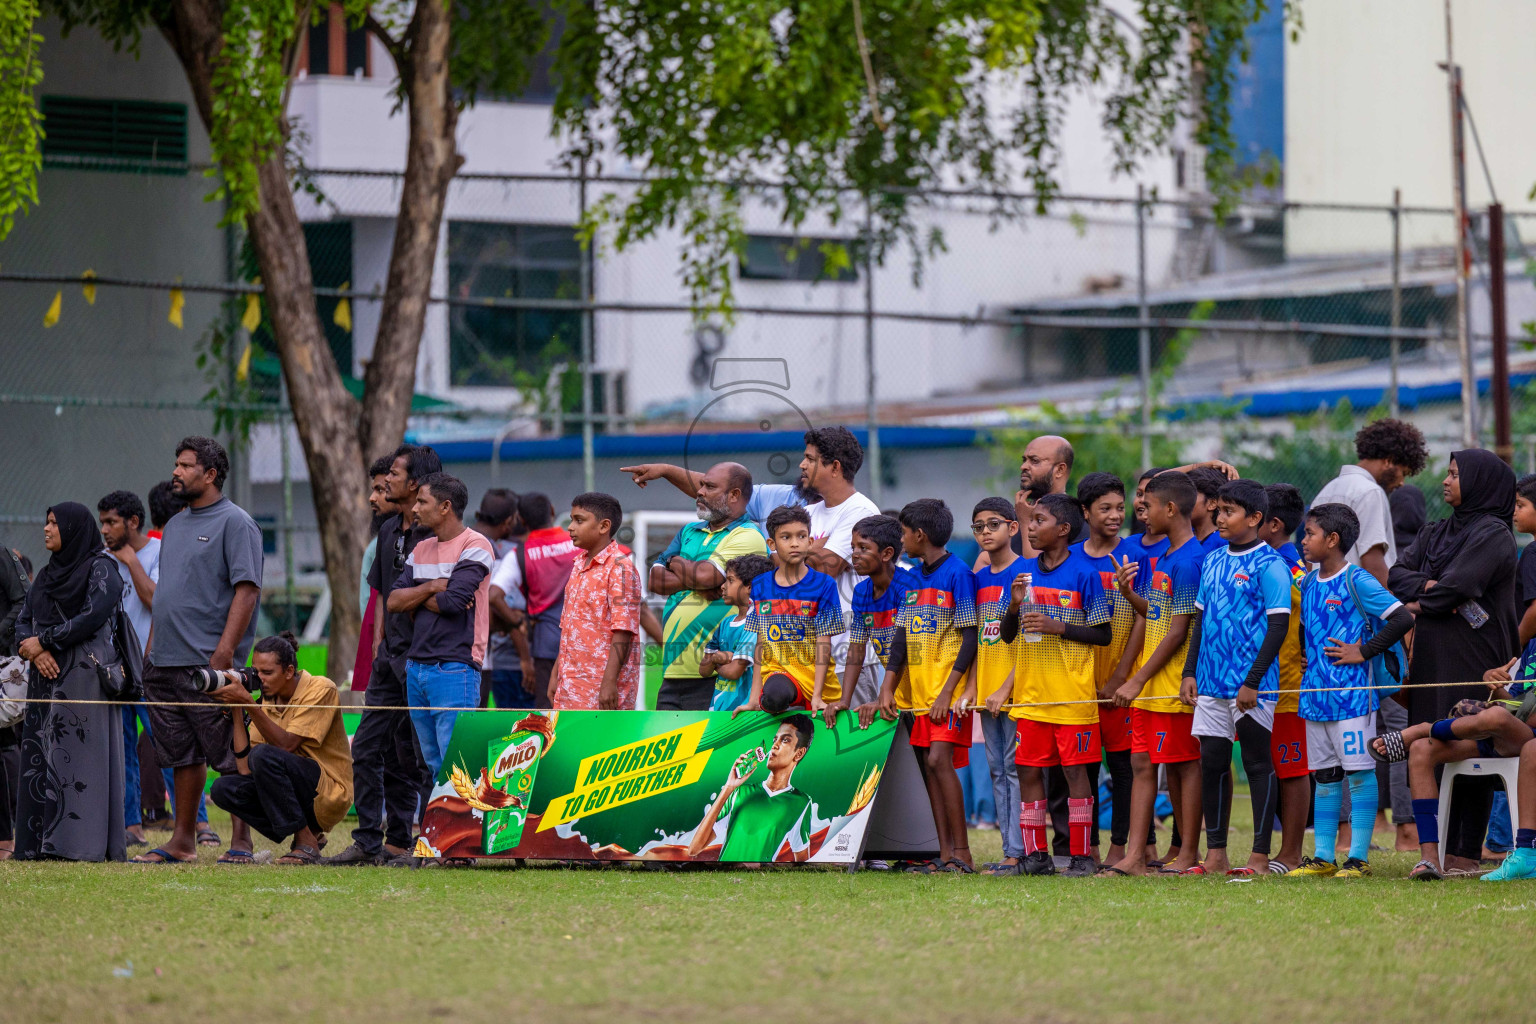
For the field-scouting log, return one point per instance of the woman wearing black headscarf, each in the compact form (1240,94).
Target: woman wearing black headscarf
(71,801)
(1458,577)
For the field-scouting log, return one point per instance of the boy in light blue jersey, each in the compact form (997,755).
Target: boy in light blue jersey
(732,650)
(1340,605)
(1243,610)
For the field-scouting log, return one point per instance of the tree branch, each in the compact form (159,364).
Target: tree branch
(393,46)
(869,68)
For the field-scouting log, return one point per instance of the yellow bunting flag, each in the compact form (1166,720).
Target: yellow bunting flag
(243,368)
(88,289)
(252,318)
(343,316)
(178,300)
(54,308)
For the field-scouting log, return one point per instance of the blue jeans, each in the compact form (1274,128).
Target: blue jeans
(133,813)
(1002,739)
(977,784)
(450,686)
(1500,837)
(133,790)
(507,688)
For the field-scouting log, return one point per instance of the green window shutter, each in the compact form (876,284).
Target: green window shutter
(115,130)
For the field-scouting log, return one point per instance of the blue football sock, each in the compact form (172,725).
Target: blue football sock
(1525,838)
(1426,815)
(1362,812)
(1325,819)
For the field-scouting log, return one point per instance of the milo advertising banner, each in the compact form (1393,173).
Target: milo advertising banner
(665,785)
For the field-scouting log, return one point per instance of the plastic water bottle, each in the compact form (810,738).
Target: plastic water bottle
(1029,606)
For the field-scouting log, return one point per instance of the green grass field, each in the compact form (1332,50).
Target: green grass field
(263,943)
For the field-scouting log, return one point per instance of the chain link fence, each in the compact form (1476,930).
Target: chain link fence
(1146,331)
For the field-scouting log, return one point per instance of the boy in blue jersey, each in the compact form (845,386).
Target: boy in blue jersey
(1102,496)
(1341,723)
(1242,614)
(935,645)
(876,600)
(1208,482)
(1288,735)
(795,613)
(994,524)
(1146,541)
(730,653)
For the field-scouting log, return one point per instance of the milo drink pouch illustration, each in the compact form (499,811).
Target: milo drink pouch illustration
(511,764)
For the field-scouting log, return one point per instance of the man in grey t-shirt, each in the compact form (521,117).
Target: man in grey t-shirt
(204,616)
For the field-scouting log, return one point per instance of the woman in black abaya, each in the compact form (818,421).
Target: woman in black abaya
(1458,577)
(71,801)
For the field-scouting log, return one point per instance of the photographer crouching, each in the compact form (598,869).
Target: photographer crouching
(295,767)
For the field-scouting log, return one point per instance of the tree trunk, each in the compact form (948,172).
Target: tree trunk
(324,412)
(431,161)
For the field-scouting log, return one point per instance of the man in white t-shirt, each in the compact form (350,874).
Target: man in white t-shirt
(832,457)
(1388,452)
(138,562)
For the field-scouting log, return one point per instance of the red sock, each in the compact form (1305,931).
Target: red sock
(1080,820)
(1032,823)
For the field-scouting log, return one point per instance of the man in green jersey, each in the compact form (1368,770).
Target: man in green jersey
(762,819)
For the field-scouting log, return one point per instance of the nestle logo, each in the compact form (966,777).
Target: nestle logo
(514,758)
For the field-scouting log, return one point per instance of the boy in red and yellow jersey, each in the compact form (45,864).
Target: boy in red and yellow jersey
(935,644)
(1059,613)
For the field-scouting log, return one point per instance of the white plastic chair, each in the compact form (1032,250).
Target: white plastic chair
(1507,768)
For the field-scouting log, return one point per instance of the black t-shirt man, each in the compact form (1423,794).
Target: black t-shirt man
(395,545)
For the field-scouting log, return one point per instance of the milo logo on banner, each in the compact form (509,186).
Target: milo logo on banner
(512,760)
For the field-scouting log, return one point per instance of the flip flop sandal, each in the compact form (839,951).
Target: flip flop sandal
(299,856)
(1108,872)
(1426,871)
(1242,872)
(1198,869)
(1393,748)
(236,857)
(166,857)
(957,866)
(927,867)
(1278,868)
(1166,870)
(208,837)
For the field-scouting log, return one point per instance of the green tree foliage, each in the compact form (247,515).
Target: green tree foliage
(255,67)
(20,123)
(843,102)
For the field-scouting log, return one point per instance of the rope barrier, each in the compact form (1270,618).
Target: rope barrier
(922,711)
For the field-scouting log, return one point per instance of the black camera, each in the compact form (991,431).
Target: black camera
(207,679)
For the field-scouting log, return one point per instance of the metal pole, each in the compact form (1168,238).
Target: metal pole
(871,414)
(588,458)
(290,595)
(1502,443)
(1397,295)
(1459,204)
(1143,333)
